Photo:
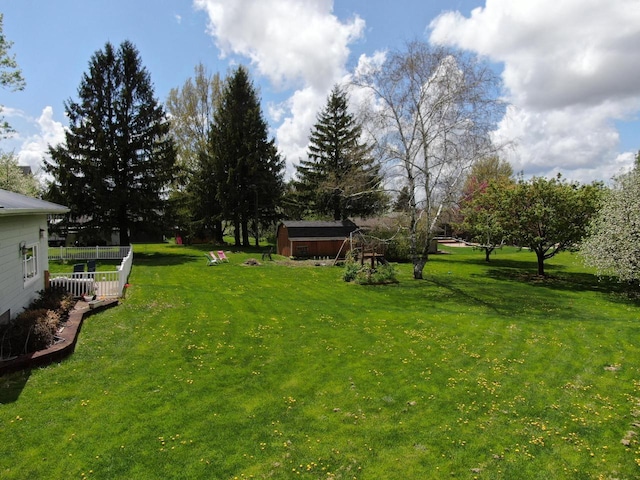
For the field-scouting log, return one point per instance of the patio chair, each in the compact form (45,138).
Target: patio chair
(78,270)
(222,256)
(211,259)
(267,253)
(91,266)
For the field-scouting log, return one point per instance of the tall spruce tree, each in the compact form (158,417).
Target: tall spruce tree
(246,165)
(118,157)
(340,179)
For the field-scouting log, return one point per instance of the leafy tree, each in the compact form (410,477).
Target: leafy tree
(195,207)
(340,179)
(481,214)
(477,216)
(10,74)
(246,165)
(431,113)
(547,216)
(14,179)
(118,158)
(612,244)
(484,171)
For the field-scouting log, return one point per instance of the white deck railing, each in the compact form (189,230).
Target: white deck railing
(88,253)
(108,284)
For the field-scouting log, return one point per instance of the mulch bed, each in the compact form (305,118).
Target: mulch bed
(63,347)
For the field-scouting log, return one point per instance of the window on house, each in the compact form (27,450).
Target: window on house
(30,262)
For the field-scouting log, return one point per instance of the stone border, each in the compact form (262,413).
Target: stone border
(61,349)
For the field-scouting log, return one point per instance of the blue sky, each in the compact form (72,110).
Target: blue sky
(570,68)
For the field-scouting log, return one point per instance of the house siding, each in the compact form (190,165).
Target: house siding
(15,294)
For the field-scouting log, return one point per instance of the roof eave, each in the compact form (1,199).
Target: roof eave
(6,212)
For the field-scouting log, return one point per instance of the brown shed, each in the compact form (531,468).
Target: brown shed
(314,239)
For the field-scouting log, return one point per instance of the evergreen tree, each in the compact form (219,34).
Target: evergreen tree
(340,179)
(246,165)
(118,158)
(403,200)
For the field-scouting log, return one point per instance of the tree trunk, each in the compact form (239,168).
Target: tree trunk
(487,253)
(236,233)
(217,232)
(245,233)
(123,226)
(418,267)
(540,263)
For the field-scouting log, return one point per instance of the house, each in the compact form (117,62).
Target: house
(308,239)
(24,260)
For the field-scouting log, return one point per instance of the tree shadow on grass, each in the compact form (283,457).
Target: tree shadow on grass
(12,384)
(557,278)
(164,259)
(460,292)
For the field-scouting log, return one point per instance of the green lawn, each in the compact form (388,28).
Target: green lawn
(272,371)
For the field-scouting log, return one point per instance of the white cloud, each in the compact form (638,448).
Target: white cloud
(291,42)
(296,44)
(570,70)
(34,147)
(293,134)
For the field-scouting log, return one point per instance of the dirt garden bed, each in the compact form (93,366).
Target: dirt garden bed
(64,341)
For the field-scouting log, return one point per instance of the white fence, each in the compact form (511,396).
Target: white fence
(109,284)
(88,253)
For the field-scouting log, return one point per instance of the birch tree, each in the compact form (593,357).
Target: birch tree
(431,110)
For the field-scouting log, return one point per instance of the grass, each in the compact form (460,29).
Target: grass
(479,371)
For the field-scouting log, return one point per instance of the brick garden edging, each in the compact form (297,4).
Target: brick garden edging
(61,349)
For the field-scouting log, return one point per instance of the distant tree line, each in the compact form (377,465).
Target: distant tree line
(203,165)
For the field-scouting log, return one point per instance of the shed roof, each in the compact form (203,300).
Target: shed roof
(12,203)
(319,230)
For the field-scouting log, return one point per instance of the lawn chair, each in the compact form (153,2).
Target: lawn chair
(78,270)
(267,253)
(91,266)
(211,259)
(222,256)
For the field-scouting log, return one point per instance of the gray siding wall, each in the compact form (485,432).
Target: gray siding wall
(15,293)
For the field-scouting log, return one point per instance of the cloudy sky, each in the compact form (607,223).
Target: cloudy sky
(570,68)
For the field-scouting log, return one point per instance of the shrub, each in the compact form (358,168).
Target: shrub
(36,327)
(365,275)
(351,270)
(376,276)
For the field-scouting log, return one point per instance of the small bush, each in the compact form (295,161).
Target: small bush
(36,327)
(365,275)
(351,270)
